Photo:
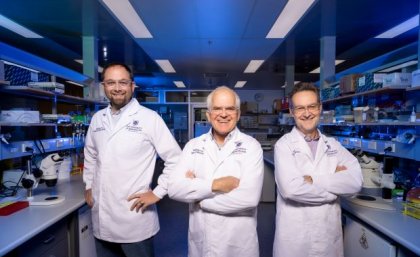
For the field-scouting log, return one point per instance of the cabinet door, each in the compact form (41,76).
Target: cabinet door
(52,239)
(359,241)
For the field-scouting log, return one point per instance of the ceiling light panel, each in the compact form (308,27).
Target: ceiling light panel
(290,15)
(19,29)
(253,66)
(179,84)
(166,66)
(400,66)
(401,28)
(240,84)
(125,13)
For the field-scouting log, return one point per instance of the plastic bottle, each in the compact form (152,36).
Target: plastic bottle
(413,116)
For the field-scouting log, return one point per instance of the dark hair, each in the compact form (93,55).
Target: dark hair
(304,86)
(113,64)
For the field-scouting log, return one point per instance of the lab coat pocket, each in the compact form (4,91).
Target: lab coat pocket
(238,231)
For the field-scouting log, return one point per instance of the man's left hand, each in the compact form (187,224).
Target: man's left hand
(142,200)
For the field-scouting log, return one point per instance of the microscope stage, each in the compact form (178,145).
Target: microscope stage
(43,200)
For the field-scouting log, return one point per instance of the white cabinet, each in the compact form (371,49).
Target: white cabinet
(360,241)
(85,233)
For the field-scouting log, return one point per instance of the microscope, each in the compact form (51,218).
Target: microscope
(375,181)
(374,176)
(47,173)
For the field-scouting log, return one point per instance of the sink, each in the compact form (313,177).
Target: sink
(372,202)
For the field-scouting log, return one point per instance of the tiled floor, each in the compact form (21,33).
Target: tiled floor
(171,241)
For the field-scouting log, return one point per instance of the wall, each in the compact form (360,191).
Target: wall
(267,95)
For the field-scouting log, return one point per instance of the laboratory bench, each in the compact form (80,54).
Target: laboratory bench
(393,225)
(21,228)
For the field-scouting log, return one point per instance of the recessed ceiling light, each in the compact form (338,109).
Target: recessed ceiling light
(253,66)
(179,84)
(166,66)
(125,13)
(19,29)
(401,28)
(289,16)
(318,70)
(240,84)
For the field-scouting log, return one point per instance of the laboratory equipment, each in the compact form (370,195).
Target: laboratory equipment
(47,173)
(50,166)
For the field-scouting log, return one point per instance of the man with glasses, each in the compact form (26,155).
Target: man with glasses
(121,147)
(311,171)
(220,174)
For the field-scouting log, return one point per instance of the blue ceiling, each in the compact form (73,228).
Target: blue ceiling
(210,42)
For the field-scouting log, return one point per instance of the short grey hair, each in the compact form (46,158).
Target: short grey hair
(210,97)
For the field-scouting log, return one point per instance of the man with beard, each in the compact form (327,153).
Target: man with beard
(121,148)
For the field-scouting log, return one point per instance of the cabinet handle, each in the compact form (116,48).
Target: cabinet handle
(363,240)
(49,239)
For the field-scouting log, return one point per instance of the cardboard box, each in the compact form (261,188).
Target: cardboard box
(249,107)
(348,83)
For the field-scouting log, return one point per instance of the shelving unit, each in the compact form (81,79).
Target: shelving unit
(380,91)
(15,148)
(42,94)
(355,138)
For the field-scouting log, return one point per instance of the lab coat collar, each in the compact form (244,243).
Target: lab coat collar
(232,141)
(298,141)
(128,111)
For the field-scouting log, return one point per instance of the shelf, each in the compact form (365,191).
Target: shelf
(15,148)
(28,91)
(396,123)
(400,150)
(409,89)
(370,92)
(25,124)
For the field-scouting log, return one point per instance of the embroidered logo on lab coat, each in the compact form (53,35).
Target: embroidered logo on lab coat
(295,152)
(239,149)
(331,152)
(134,126)
(197,151)
(98,129)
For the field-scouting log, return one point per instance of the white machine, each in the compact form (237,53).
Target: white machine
(373,177)
(374,180)
(49,168)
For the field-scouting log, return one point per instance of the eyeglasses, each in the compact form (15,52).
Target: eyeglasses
(113,83)
(299,110)
(228,110)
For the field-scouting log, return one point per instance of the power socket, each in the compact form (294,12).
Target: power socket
(25,146)
(390,146)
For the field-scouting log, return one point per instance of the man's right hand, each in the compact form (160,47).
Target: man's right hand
(89,197)
(225,184)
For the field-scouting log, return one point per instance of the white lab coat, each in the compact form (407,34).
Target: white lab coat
(220,224)
(308,218)
(120,161)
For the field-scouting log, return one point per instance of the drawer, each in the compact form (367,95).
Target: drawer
(46,240)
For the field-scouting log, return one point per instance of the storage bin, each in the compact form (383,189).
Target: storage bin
(397,79)
(370,81)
